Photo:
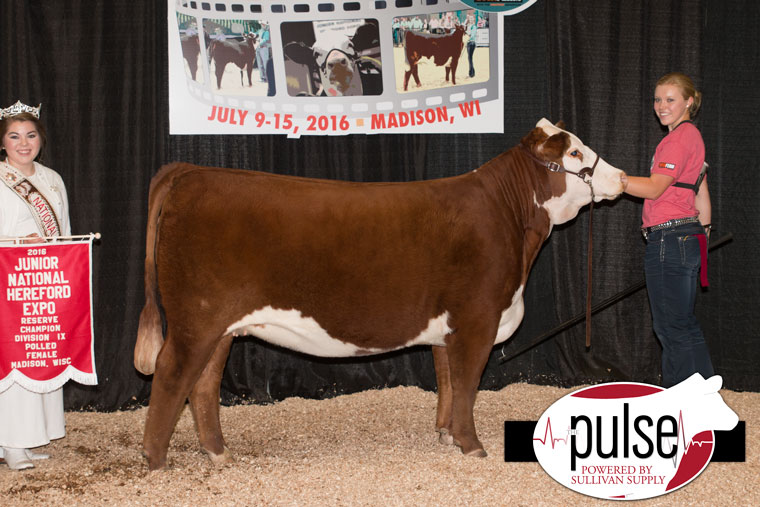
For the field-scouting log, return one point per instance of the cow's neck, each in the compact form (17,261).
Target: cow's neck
(520,188)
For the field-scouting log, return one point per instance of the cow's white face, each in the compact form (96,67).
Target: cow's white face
(607,180)
(336,59)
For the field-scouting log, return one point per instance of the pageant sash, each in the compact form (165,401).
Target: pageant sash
(46,329)
(42,211)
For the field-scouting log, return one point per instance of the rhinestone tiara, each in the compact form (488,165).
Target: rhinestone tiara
(19,108)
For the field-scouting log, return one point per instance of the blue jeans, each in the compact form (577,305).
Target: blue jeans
(671,263)
(470,50)
(262,57)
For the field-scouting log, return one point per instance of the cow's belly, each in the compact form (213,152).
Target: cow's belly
(292,330)
(511,317)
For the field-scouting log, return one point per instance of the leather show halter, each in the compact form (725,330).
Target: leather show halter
(586,174)
(323,65)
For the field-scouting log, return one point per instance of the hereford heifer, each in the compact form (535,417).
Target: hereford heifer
(443,49)
(240,52)
(339,269)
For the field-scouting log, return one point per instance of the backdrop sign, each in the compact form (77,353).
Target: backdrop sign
(309,67)
(46,335)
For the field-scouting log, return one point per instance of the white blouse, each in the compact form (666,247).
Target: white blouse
(16,219)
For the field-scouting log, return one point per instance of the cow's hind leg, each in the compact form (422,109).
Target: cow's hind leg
(204,403)
(178,366)
(416,75)
(468,351)
(193,66)
(443,379)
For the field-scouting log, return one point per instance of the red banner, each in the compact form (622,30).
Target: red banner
(46,332)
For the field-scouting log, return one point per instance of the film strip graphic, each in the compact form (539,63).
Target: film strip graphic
(301,67)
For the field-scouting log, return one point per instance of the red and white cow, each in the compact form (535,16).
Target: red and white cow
(240,51)
(444,49)
(340,269)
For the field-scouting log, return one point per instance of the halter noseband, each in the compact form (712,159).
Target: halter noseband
(556,167)
(323,65)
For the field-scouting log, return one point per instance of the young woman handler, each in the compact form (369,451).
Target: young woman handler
(676,224)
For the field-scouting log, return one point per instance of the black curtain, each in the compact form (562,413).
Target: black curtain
(100,70)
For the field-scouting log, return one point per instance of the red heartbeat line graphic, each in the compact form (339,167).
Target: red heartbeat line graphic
(691,464)
(548,430)
(681,435)
(686,445)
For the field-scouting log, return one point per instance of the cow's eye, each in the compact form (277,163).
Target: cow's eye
(576,154)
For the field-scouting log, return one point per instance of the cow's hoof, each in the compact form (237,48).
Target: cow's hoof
(477,453)
(156,467)
(224,458)
(154,464)
(445,437)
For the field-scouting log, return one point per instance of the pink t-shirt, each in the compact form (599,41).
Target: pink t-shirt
(680,155)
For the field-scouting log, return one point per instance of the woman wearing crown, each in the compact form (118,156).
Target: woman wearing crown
(33,205)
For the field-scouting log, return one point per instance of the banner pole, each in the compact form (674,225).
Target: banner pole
(53,239)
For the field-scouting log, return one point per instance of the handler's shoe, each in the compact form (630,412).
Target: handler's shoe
(36,455)
(17,458)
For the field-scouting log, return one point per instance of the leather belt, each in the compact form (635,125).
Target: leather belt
(646,231)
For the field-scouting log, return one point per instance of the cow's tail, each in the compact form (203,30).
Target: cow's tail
(150,337)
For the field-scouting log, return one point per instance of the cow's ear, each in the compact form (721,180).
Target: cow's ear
(533,139)
(560,125)
(554,147)
(299,53)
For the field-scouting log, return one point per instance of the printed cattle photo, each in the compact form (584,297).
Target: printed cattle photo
(442,50)
(332,59)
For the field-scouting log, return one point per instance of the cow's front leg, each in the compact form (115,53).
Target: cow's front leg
(468,351)
(204,403)
(443,379)
(219,76)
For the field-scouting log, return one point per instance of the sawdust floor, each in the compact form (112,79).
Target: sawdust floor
(371,448)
